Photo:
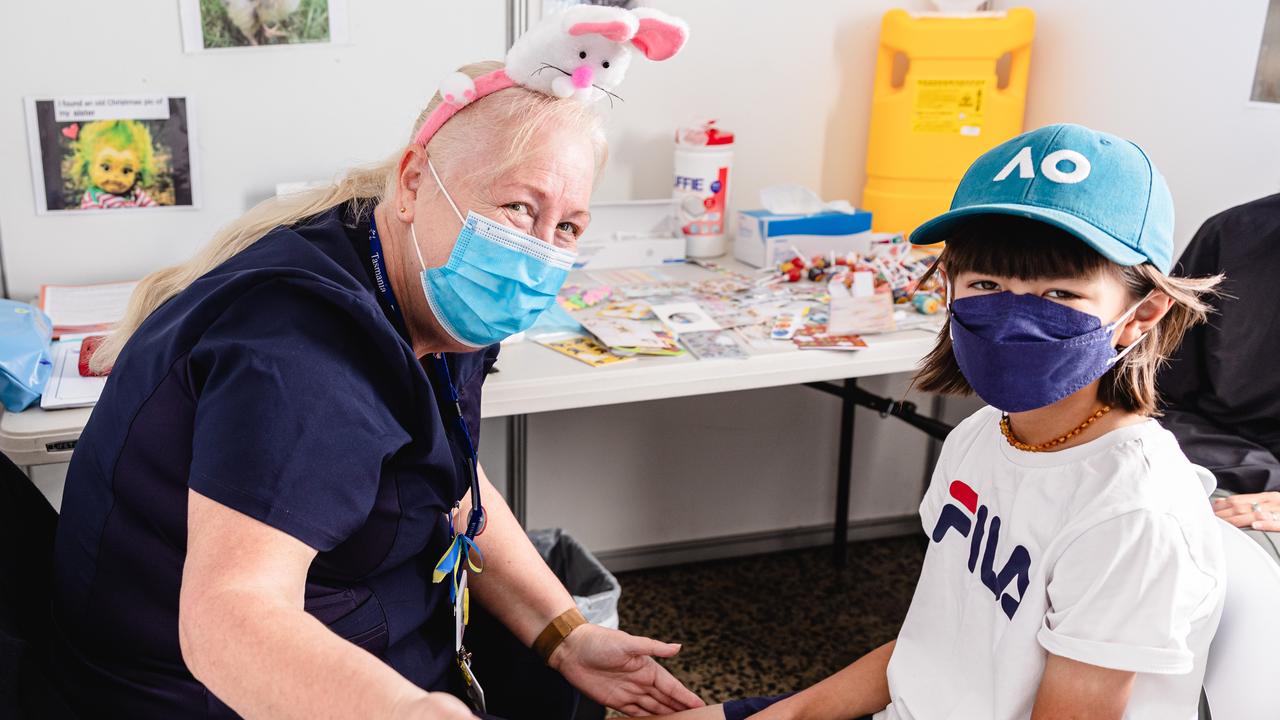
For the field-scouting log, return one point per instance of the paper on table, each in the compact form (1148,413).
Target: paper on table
(617,332)
(85,307)
(684,317)
(66,387)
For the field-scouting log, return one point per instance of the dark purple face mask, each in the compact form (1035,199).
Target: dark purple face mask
(1022,352)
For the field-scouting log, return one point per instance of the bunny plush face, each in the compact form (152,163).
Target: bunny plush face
(586,67)
(581,53)
(586,52)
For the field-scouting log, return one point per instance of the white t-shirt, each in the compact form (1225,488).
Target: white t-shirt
(1106,553)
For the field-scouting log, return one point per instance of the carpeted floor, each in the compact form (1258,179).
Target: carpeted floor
(773,623)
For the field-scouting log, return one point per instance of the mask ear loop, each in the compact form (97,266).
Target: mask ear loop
(440,185)
(1117,357)
(414,233)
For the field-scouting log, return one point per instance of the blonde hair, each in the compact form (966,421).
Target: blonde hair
(519,113)
(1027,249)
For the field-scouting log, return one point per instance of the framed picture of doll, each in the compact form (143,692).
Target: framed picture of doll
(95,153)
(220,24)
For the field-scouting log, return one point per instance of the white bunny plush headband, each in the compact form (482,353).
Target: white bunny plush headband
(581,53)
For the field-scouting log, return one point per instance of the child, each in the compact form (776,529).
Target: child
(1074,566)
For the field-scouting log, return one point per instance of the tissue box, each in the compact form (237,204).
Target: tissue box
(765,238)
(631,233)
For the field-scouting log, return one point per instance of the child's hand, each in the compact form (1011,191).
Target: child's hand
(1259,511)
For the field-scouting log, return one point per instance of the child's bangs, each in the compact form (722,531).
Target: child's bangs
(1019,247)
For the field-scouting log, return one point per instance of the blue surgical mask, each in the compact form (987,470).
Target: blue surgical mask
(1022,352)
(497,281)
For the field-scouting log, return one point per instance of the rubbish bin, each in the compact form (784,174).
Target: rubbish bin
(594,589)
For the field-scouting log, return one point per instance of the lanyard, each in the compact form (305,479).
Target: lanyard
(380,278)
(456,560)
(456,557)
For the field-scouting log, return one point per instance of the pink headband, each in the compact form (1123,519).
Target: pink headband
(581,53)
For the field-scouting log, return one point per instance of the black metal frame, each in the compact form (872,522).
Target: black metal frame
(851,396)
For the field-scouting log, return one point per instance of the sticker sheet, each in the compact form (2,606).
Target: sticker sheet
(684,317)
(584,349)
(714,345)
(816,337)
(634,310)
(617,332)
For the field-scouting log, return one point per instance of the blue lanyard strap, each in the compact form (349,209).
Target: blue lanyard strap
(477,511)
(383,282)
(457,558)
(381,279)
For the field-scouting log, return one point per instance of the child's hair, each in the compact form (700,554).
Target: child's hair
(120,135)
(1027,249)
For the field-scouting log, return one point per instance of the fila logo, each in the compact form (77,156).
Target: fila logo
(1050,166)
(1016,568)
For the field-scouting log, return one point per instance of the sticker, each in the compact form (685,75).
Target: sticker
(788,323)
(949,105)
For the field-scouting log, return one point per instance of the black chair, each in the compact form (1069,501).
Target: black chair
(27,526)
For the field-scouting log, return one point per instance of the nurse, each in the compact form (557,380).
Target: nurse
(276,510)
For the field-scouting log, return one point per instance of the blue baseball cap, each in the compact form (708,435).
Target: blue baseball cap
(1096,186)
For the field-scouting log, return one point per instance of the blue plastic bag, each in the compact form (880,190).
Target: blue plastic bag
(24,354)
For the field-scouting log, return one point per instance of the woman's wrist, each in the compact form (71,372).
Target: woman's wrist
(556,634)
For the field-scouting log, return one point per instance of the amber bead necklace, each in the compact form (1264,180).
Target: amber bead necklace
(1041,447)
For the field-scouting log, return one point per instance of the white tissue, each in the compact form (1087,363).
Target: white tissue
(799,200)
(958,6)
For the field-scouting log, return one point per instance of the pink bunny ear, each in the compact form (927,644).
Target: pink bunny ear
(660,35)
(616,31)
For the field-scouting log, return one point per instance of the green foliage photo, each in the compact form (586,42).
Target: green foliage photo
(237,23)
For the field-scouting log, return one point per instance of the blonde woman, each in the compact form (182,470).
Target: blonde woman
(275,509)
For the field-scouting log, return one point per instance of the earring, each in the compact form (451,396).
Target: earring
(401,209)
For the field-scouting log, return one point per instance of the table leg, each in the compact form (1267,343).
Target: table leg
(844,472)
(517,466)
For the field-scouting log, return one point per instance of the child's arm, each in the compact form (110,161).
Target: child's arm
(860,689)
(1072,689)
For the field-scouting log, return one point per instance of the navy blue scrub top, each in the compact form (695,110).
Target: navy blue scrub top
(279,386)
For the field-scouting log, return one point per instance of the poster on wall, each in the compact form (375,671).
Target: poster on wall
(224,24)
(1266,76)
(95,153)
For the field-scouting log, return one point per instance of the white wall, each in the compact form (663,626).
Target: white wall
(1175,77)
(263,116)
(793,80)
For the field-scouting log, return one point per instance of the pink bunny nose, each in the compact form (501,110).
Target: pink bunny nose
(582,77)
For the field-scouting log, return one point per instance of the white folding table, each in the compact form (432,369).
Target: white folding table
(532,379)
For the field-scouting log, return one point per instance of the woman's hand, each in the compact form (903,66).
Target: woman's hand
(1259,511)
(435,706)
(618,670)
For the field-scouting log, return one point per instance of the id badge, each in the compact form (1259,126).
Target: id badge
(475,693)
(460,612)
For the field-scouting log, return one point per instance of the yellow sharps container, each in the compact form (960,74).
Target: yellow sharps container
(947,89)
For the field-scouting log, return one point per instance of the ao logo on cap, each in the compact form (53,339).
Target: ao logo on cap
(1050,166)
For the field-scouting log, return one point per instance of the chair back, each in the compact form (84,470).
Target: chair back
(1241,670)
